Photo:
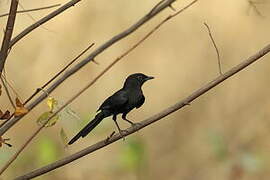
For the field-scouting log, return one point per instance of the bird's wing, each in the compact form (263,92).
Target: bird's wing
(140,103)
(116,101)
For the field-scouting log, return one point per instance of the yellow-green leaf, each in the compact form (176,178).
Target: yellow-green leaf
(52,103)
(43,118)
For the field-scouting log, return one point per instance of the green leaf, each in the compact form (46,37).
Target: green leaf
(251,162)
(44,117)
(133,154)
(219,145)
(47,151)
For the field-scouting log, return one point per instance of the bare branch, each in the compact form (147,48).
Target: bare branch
(42,21)
(53,78)
(30,10)
(95,53)
(148,121)
(59,73)
(8,34)
(215,46)
(86,87)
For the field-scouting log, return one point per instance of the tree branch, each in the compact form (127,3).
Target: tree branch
(95,53)
(150,120)
(48,82)
(8,34)
(87,86)
(42,21)
(59,73)
(30,10)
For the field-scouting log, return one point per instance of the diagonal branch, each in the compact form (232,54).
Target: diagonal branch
(51,80)
(59,73)
(30,10)
(42,21)
(95,53)
(148,121)
(8,34)
(12,159)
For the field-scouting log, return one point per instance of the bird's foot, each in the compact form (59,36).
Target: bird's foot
(109,137)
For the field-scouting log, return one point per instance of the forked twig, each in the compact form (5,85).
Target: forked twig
(215,46)
(58,74)
(53,78)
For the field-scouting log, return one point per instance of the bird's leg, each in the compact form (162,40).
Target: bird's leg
(120,130)
(125,118)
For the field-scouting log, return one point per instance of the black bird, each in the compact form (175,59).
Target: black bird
(121,102)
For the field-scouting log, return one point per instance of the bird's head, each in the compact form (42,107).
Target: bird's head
(137,79)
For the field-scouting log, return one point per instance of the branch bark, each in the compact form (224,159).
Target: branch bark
(153,12)
(30,10)
(8,33)
(150,120)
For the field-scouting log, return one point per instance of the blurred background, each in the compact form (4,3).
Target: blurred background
(224,134)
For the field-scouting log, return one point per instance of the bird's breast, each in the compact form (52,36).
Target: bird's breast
(135,98)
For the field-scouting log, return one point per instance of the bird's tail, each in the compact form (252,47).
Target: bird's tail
(90,126)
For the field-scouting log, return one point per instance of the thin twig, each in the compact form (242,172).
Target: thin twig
(42,21)
(215,46)
(33,19)
(4,76)
(150,120)
(59,73)
(8,34)
(7,91)
(87,86)
(53,78)
(92,56)
(253,5)
(30,10)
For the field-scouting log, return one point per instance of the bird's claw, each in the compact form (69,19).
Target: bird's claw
(109,137)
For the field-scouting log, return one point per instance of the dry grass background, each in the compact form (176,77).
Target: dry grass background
(222,135)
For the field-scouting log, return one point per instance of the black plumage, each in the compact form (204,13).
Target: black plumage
(121,102)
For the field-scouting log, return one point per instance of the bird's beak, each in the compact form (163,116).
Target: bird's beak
(149,77)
